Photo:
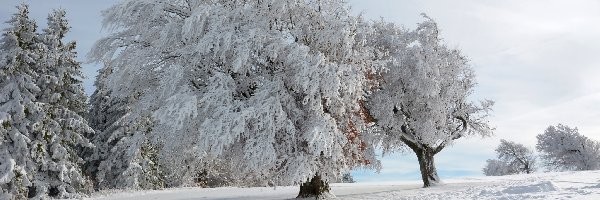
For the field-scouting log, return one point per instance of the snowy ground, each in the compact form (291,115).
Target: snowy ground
(563,185)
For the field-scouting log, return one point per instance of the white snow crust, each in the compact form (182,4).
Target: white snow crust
(556,185)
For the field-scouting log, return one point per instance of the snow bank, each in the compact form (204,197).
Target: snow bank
(545,186)
(520,191)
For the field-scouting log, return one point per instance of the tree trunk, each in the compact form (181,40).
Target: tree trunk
(527,169)
(314,188)
(427,164)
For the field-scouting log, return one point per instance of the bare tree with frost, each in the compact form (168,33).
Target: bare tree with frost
(515,158)
(563,148)
(422,102)
(276,85)
(40,111)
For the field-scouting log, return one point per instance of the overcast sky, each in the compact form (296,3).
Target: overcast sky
(538,59)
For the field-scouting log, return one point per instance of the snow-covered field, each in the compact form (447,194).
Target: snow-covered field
(562,185)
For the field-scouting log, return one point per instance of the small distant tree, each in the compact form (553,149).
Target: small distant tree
(347,178)
(518,156)
(513,158)
(495,167)
(563,149)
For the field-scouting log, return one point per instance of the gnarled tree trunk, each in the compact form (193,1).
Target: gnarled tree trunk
(314,188)
(425,155)
(427,164)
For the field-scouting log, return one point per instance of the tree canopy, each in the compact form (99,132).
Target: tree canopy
(564,148)
(423,99)
(275,84)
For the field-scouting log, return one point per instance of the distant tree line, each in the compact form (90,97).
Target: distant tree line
(561,148)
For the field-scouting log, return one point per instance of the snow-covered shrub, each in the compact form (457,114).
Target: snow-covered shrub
(563,148)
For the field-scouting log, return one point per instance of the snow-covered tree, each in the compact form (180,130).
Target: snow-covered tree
(275,85)
(63,98)
(423,101)
(41,128)
(21,115)
(513,158)
(347,178)
(61,80)
(496,167)
(563,148)
(103,113)
(518,156)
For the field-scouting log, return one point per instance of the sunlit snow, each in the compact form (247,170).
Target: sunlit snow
(557,185)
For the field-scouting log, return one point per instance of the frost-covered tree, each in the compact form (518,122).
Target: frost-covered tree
(40,107)
(21,115)
(103,114)
(347,178)
(517,156)
(563,148)
(513,158)
(496,167)
(275,85)
(41,125)
(61,78)
(63,129)
(423,101)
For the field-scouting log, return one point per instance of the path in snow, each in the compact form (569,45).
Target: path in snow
(562,185)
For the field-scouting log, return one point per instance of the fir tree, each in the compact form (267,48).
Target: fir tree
(42,126)
(22,115)
(64,129)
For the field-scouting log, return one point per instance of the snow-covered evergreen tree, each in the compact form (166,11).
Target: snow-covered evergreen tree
(64,128)
(61,81)
(41,102)
(21,115)
(513,158)
(563,148)
(107,117)
(423,99)
(275,85)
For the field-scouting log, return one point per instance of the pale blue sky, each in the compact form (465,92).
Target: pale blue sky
(539,60)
